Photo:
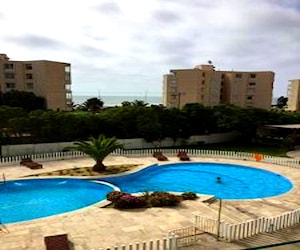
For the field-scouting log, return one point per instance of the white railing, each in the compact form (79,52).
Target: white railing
(231,232)
(186,236)
(169,243)
(13,160)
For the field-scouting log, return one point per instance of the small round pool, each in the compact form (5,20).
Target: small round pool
(36,198)
(237,182)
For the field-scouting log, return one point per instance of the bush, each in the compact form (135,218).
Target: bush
(164,199)
(189,196)
(130,201)
(115,195)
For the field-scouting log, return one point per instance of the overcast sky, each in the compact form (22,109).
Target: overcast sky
(124,47)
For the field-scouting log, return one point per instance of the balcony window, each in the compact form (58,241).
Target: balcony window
(29,85)
(29,76)
(251,83)
(250,97)
(8,66)
(252,75)
(28,66)
(67,69)
(10,85)
(239,75)
(9,75)
(68,86)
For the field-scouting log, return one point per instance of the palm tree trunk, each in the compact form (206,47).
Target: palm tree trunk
(99,166)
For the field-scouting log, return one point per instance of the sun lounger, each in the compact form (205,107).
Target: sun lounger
(28,162)
(183,156)
(57,242)
(159,156)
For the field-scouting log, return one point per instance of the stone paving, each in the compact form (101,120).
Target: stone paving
(94,227)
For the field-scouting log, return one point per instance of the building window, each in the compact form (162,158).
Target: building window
(29,76)
(9,75)
(10,85)
(8,66)
(251,83)
(223,76)
(203,82)
(28,66)
(67,77)
(29,85)
(239,75)
(203,74)
(252,75)
(67,69)
(250,97)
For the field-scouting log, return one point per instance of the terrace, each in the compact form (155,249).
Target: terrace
(94,227)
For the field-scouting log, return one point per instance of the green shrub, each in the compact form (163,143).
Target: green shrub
(164,199)
(130,201)
(189,196)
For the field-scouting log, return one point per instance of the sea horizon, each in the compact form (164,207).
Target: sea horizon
(111,100)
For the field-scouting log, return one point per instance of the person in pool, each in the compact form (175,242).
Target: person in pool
(218,180)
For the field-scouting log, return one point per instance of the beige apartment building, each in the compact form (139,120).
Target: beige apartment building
(293,95)
(203,84)
(48,79)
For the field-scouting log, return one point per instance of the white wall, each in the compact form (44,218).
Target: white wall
(128,144)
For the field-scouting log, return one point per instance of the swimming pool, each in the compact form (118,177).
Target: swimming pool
(237,182)
(29,199)
(36,198)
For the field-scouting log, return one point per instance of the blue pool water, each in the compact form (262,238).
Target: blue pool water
(238,182)
(31,199)
(36,198)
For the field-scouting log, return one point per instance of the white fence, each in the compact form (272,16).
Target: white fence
(231,232)
(169,243)
(186,236)
(12,160)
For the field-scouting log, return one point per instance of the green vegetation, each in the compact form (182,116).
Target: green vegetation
(97,148)
(136,120)
(251,148)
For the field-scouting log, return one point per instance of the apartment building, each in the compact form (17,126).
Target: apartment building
(48,79)
(203,84)
(293,95)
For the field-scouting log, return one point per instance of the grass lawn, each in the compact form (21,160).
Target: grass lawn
(262,149)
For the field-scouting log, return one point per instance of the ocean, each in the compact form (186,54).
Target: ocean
(111,101)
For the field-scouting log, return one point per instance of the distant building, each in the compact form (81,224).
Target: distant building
(203,84)
(293,95)
(51,80)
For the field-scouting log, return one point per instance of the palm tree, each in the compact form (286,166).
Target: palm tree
(98,149)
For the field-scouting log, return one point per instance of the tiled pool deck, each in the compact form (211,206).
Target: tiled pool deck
(94,228)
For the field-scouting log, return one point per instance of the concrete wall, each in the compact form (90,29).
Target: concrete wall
(128,144)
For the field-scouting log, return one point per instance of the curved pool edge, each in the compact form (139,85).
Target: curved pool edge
(99,204)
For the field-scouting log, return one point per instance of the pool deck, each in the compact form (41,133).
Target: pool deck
(94,227)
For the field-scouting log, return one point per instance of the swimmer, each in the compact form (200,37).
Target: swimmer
(219,180)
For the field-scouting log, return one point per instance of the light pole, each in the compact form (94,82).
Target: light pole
(219,219)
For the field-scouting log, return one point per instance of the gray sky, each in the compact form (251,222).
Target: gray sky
(124,47)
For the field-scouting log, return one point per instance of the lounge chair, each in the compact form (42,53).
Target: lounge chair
(159,156)
(183,156)
(28,162)
(57,242)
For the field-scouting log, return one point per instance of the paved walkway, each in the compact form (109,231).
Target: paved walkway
(94,227)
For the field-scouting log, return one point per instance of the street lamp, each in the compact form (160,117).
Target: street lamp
(219,219)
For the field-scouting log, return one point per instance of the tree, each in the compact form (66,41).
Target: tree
(282,102)
(26,100)
(98,149)
(92,104)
